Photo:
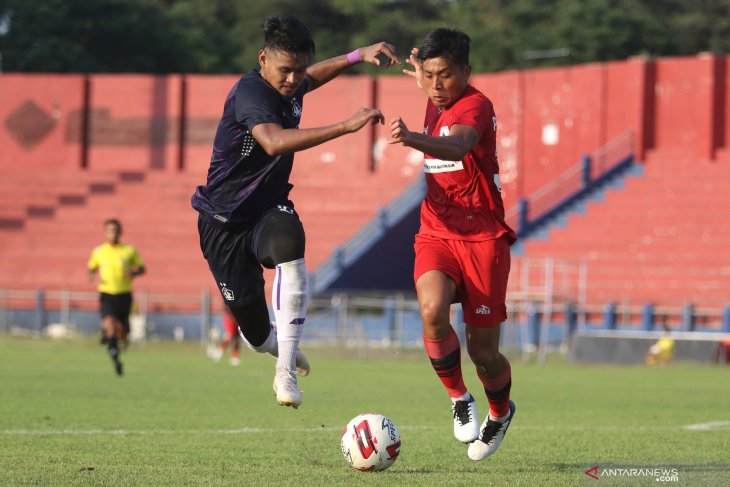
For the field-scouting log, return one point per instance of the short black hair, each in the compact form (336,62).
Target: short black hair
(288,34)
(450,44)
(115,222)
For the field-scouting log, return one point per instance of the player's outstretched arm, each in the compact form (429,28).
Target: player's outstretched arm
(325,71)
(417,72)
(276,140)
(453,147)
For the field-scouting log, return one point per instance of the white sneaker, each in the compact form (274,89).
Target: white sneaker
(286,388)
(490,437)
(216,354)
(302,364)
(235,361)
(466,422)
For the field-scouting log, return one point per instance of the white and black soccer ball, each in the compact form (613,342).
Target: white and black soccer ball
(370,442)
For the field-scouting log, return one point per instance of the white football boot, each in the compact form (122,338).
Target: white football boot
(466,422)
(491,436)
(286,388)
(216,354)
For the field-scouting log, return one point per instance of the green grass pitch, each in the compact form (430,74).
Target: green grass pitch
(176,418)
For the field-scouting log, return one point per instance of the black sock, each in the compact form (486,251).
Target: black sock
(113,349)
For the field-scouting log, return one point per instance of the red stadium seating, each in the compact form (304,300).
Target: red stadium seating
(662,239)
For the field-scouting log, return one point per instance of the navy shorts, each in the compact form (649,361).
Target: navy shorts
(232,257)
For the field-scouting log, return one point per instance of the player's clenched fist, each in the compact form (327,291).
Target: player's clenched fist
(398,131)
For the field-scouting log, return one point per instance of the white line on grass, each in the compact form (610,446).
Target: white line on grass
(712,425)
(330,429)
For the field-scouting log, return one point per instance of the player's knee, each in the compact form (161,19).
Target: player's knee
(282,240)
(286,248)
(485,358)
(434,314)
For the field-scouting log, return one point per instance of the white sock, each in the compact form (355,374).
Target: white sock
(269,345)
(465,397)
(499,420)
(289,299)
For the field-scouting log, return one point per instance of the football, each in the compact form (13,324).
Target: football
(370,442)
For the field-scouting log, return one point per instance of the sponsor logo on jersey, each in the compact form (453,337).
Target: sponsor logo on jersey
(297,321)
(437,165)
(444,131)
(285,209)
(483,310)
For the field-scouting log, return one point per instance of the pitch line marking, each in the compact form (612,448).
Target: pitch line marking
(712,425)
(330,429)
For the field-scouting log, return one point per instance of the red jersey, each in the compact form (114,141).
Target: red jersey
(463,200)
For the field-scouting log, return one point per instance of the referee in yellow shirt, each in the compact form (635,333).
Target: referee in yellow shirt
(116,264)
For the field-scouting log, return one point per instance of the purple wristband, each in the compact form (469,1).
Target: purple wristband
(354,57)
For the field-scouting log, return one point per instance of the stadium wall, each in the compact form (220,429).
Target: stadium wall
(91,125)
(548,117)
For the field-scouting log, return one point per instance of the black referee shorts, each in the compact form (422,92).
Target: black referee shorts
(117,305)
(232,255)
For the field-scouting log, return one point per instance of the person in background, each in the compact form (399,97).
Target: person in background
(662,352)
(115,264)
(230,337)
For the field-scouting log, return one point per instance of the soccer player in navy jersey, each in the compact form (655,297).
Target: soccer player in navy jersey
(462,246)
(246,219)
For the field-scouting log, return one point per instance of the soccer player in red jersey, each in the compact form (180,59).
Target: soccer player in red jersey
(462,247)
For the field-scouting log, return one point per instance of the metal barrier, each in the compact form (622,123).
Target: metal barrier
(537,324)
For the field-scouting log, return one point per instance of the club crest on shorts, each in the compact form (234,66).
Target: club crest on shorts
(227,293)
(483,310)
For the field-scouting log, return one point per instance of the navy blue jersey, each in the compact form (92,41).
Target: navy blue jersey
(243,180)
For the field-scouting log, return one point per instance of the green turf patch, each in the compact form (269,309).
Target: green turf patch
(177,418)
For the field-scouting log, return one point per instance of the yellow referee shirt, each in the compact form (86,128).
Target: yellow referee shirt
(114,263)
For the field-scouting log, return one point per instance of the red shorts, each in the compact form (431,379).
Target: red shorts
(479,269)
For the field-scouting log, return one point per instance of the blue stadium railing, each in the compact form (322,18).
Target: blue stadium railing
(534,211)
(365,238)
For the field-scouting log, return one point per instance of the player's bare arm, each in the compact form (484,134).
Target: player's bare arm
(454,147)
(325,71)
(276,140)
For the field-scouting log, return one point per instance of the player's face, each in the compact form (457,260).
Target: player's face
(111,233)
(444,82)
(284,71)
